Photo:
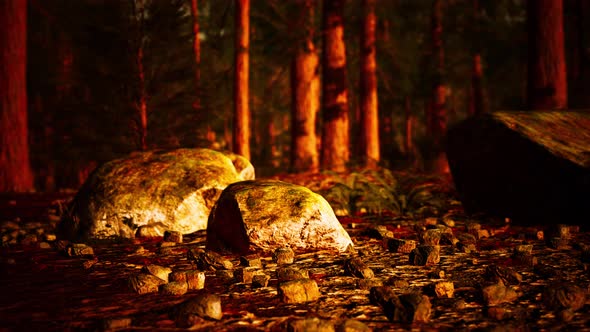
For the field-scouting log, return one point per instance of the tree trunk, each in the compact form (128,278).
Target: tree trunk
(438,109)
(139,12)
(369,108)
(335,151)
(15,168)
(477,98)
(305,94)
(547,84)
(196,52)
(579,70)
(241,131)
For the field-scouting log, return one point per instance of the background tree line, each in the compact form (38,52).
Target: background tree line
(297,85)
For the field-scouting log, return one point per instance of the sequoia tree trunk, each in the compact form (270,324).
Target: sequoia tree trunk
(15,168)
(335,151)
(241,131)
(305,94)
(547,83)
(369,107)
(196,51)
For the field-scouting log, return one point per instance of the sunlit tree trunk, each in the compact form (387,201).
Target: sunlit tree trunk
(477,101)
(438,110)
(241,131)
(305,94)
(369,107)
(579,69)
(335,151)
(547,83)
(142,111)
(196,51)
(15,168)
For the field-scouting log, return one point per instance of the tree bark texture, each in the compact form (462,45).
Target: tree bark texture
(15,169)
(547,82)
(335,151)
(196,50)
(305,94)
(241,131)
(369,105)
(438,109)
(477,105)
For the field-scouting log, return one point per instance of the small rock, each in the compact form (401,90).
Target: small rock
(504,274)
(467,238)
(466,247)
(173,236)
(29,240)
(381,294)
(425,255)
(291,273)
(566,315)
(119,323)
(49,237)
(432,237)
(260,280)
(203,305)
(311,325)
(482,233)
(195,279)
(177,276)
(149,231)
(161,272)
(444,289)
(367,284)
(251,261)
(460,304)
(174,288)
(498,293)
(399,245)
(498,313)
(283,255)
(408,308)
(352,325)
(90,263)
(225,275)
(79,249)
(298,291)
(378,232)
(397,282)
(564,296)
(245,274)
(431,221)
(143,283)
(167,244)
(437,274)
(449,222)
(208,260)
(559,243)
(523,250)
(44,245)
(472,227)
(357,268)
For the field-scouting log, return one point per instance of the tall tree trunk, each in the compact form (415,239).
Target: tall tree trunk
(438,109)
(477,103)
(437,117)
(15,167)
(579,69)
(547,83)
(139,15)
(335,151)
(241,132)
(369,108)
(196,52)
(305,94)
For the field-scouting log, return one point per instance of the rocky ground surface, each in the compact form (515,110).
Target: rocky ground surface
(444,273)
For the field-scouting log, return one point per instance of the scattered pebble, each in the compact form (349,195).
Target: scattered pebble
(298,291)
(291,273)
(310,325)
(425,255)
(173,236)
(174,288)
(498,293)
(251,261)
(283,255)
(208,260)
(357,268)
(352,325)
(399,245)
(161,272)
(143,283)
(203,305)
(260,280)
(564,296)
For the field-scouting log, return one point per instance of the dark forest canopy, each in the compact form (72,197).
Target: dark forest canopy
(83,85)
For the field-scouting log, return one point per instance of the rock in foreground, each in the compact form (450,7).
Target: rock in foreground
(531,166)
(174,190)
(264,215)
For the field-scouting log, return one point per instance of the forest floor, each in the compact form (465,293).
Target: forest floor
(43,289)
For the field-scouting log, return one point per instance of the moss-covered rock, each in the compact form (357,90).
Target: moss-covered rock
(263,215)
(532,166)
(173,189)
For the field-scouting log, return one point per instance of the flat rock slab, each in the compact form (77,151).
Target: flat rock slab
(263,215)
(170,190)
(531,166)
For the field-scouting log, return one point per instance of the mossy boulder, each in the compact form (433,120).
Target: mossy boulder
(170,190)
(263,215)
(532,166)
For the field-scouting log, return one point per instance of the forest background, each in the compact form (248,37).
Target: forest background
(87,82)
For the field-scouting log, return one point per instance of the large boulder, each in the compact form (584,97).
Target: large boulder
(263,215)
(531,166)
(167,190)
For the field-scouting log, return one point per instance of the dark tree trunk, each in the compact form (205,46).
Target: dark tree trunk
(241,129)
(305,94)
(335,150)
(547,84)
(15,168)
(369,106)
